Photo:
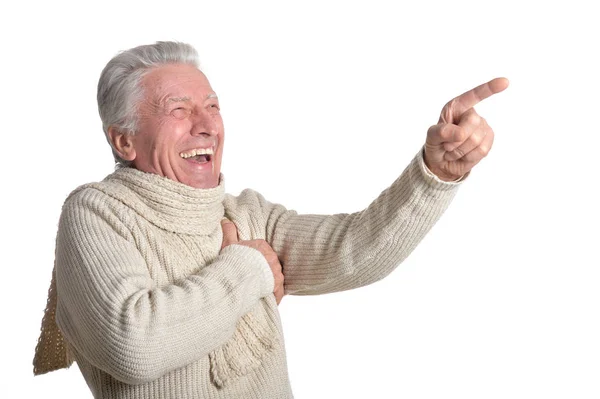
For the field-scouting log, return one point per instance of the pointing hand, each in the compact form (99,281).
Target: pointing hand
(461,138)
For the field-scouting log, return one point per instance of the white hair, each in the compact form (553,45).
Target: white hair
(119,88)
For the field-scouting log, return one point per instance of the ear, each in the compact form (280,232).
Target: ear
(122,143)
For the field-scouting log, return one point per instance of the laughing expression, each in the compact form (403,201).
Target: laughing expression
(180,131)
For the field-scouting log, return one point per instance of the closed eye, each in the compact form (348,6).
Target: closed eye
(180,112)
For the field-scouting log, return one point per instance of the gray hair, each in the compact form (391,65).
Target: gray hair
(119,88)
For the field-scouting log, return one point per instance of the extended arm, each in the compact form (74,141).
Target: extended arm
(328,253)
(321,254)
(112,312)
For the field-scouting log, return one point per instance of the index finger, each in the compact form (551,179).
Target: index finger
(230,235)
(453,110)
(472,97)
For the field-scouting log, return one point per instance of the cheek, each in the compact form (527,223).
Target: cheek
(220,128)
(170,133)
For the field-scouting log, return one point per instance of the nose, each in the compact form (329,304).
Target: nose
(203,124)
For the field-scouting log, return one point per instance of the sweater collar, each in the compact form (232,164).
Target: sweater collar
(168,204)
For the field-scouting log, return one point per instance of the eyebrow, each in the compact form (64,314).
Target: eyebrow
(177,99)
(184,99)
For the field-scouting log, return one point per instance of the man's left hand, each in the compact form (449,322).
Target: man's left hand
(461,138)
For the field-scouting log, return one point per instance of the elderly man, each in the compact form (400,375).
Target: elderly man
(166,287)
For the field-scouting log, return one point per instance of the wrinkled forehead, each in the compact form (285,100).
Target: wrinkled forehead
(177,81)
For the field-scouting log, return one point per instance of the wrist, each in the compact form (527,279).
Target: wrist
(438,172)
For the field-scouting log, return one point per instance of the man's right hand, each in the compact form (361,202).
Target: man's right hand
(230,236)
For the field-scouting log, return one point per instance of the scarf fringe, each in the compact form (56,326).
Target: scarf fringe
(245,351)
(52,351)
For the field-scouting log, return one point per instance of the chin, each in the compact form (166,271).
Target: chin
(205,184)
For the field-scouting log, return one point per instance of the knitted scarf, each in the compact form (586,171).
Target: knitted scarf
(175,207)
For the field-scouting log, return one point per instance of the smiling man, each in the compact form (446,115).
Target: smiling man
(166,287)
(180,130)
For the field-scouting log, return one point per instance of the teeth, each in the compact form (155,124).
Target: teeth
(198,151)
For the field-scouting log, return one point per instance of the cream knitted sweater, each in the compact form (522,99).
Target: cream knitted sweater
(151,308)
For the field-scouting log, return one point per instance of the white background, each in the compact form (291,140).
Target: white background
(325,104)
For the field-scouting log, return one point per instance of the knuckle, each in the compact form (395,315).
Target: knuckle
(273,262)
(477,139)
(256,245)
(447,131)
(448,147)
(450,104)
(460,134)
(458,153)
(473,118)
(445,108)
(446,112)
(433,130)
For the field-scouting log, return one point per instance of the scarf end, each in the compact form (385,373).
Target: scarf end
(52,352)
(244,352)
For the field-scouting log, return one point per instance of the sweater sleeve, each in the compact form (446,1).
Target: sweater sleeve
(114,315)
(328,253)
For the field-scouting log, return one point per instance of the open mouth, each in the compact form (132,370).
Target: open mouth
(201,158)
(199,155)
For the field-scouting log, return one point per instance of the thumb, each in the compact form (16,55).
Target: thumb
(230,235)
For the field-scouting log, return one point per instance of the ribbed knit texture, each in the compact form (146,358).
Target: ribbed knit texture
(151,308)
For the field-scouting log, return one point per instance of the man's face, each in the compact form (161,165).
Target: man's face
(179,117)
